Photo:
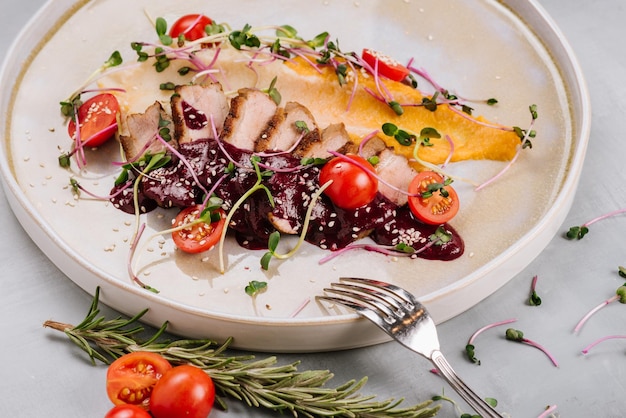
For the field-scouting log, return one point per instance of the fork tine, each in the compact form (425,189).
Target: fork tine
(371,312)
(384,302)
(388,287)
(362,298)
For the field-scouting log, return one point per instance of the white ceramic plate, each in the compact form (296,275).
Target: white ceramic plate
(510,50)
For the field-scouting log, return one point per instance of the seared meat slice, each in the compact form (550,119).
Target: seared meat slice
(282,133)
(141,132)
(372,147)
(193,108)
(394,169)
(333,138)
(250,111)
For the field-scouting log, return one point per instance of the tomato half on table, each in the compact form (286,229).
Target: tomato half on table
(428,203)
(127,411)
(131,378)
(184,391)
(192,27)
(97,118)
(200,236)
(387,66)
(352,186)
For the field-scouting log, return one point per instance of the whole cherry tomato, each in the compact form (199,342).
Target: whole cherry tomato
(191,27)
(184,391)
(127,411)
(354,184)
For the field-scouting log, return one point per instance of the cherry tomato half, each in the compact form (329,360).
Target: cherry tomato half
(131,378)
(387,66)
(435,209)
(127,411)
(191,26)
(97,118)
(352,186)
(197,237)
(184,391)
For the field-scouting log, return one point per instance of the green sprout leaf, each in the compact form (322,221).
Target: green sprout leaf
(255,287)
(240,38)
(577,232)
(114,60)
(161,29)
(471,353)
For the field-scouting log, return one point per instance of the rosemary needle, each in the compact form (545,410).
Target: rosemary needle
(257,383)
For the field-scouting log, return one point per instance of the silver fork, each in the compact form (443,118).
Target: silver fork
(403,317)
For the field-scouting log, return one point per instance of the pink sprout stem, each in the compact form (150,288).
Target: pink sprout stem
(533,284)
(606,215)
(593,311)
(300,307)
(540,347)
(489,326)
(547,412)
(600,340)
(109,197)
(367,247)
(129,263)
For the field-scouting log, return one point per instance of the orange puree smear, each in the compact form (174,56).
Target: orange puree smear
(363,114)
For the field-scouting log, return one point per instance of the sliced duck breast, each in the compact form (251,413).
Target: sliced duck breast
(286,128)
(141,130)
(195,107)
(333,138)
(250,112)
(394,169)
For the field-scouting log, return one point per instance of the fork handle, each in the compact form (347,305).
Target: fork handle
(475,401)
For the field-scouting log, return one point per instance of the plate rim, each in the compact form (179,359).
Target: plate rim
(581,125)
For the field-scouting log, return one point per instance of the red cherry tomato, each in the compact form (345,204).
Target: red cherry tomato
(387,66)
(352,186)
(197,237)
(97,118)
(436,208)
(127,411)
(131,378)
(184,391)
(190,26)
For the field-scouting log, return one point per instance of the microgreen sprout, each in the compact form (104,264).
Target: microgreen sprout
(73,102)
(258,185)
(408,138)
(161,29)
(518,336)
(240,38)
(491,401)
(255,287)
(620,295)
(273,92)
(601,340)
(548,411)
(525,135)
(77,189)
(578,232)
(534,299)
(470,347)
(131,254)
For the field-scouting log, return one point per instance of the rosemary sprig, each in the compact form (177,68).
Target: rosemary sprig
(258,383)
